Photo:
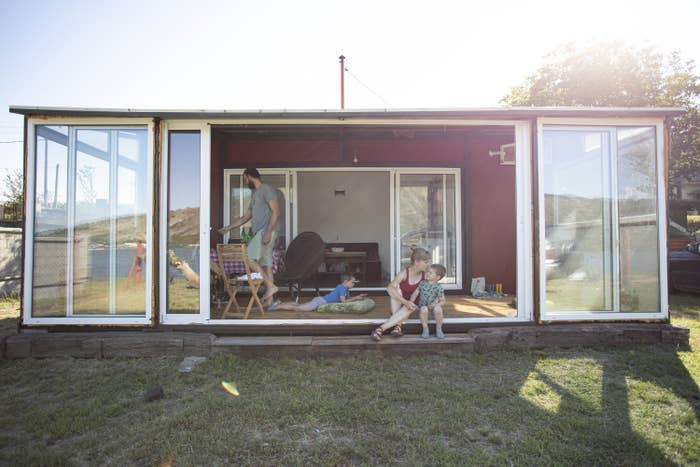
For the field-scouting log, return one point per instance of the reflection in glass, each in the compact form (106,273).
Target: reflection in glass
(578,231)
(601,228)
(90,206)
(111,200)
(183,222)
(50,222)
(427,219)
(639,249)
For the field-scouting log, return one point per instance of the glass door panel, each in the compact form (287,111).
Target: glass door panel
(637,208)
(50,249)
(239,200)
(427,218)
(109,229)
(183,247)
(578,222)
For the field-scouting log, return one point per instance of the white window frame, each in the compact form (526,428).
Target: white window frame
(396,244)
(287,202)
(88,123)
(606,124)
(204,228)
(524,212)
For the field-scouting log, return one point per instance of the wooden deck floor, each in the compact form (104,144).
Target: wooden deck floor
(456,307)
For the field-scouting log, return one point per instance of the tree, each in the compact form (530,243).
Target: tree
(615,74)
(12,196)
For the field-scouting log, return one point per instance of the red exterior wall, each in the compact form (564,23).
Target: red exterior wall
(418,152)
(489,187)
(262,152)
(493,222)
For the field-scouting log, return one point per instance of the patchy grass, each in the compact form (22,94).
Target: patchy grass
(9,313)
(684,305)
(632,406)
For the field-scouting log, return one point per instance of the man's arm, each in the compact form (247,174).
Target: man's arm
(275,208)
(237,223)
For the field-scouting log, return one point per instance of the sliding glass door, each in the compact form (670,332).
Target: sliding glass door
(90,195)
(427,213)
(185,198)
(237,199)
(600,220)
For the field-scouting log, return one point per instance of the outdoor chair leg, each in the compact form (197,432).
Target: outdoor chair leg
(232,301)
(254,299)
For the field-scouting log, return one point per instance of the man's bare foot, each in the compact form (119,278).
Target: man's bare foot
(269,294)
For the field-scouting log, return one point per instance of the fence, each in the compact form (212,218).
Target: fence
(10,260)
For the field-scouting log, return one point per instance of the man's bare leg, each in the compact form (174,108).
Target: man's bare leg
(270,288)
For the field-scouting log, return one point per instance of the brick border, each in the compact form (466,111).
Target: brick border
(483,339)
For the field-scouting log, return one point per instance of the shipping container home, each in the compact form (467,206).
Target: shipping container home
(561,211)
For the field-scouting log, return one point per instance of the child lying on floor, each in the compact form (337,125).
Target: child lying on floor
(341,294)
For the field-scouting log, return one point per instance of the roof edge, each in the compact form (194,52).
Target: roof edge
(477,112)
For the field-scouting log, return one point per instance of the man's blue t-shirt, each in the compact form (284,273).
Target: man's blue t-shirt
(334,296)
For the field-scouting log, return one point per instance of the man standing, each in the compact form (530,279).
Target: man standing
(264,210)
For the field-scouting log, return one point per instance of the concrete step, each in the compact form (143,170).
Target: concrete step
(337,345)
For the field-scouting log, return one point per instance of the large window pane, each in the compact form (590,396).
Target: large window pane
(132,201)
(637,191)
(578,233)
(239,201)
(92,207)
(601,226)
(183,222)
(110,222)
(49,291)
(427,219)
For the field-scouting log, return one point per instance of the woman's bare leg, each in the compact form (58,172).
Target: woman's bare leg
(395,306)
(397,318)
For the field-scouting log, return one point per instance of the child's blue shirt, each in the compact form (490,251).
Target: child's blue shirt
(339,291)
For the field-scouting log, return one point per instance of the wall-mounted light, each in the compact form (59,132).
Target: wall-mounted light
(355,160)
(506,154)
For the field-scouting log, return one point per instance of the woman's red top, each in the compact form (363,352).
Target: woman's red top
(408,289)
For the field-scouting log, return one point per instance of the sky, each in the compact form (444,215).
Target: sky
(170,54)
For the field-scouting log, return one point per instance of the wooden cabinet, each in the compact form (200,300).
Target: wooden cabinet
(360,259)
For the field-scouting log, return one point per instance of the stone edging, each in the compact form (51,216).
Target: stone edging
(486,339)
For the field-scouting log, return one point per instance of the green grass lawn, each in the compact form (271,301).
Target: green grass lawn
(632,406)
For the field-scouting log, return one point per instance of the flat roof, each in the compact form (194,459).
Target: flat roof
(488,113)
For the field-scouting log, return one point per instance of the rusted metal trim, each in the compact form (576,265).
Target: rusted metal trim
(155,216)
(25,200)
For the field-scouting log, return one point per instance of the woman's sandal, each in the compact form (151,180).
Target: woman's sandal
(397,331)
(377,334)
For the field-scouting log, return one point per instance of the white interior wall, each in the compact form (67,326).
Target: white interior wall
(360,215)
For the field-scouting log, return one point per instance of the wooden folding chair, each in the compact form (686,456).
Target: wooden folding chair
(237,253)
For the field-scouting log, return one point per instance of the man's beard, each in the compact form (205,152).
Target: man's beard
(251,185)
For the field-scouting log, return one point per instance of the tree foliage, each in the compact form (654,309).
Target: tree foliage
(616,74)
(12,187)
(11,195)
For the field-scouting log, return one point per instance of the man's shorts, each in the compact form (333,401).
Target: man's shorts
(259,252)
